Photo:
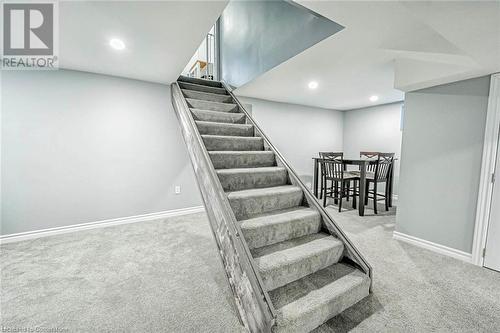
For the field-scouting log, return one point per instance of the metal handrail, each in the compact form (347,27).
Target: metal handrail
(353,252)
(254,305)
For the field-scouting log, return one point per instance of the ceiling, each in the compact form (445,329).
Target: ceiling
(387,47)
(160,36)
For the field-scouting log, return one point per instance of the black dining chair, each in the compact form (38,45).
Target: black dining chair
(369,155)
(380,174)
(326,155)
(329,155)
(333,170)
(370,168)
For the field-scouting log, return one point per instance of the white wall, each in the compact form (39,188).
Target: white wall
(299,132)
(375,128)
(80,147)
(441,160)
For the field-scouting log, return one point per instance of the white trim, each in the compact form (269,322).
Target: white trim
(441,249)
(4,239)
(487,169)
(395,198)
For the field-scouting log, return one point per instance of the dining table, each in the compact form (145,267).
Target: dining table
(362,163)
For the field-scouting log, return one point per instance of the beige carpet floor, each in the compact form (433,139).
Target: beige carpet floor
(165,276)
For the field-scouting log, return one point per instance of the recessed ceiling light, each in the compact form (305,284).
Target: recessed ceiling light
(374,98)
(313,85)
(117,44)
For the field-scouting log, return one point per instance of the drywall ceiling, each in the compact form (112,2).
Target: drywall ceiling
(386,48)
(160,36)
(257,35)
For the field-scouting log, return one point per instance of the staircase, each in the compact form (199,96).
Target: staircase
(290,266)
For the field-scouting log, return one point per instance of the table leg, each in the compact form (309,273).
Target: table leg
(336,192)
(391,184)
(362,184)
(315,179)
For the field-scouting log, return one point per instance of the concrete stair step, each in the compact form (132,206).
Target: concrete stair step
(212,128)
(221,142)
(207,96)
(219,117)
(242,159)
(309,302)
(203,88)
(247,178)
(213,106)
(280,226)
(250,203)
(203,82)
(288,261)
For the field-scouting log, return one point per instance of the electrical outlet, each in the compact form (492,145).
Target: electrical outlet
(177,189)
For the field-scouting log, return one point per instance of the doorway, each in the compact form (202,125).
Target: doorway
(492,249)
(486,242)
(204,64)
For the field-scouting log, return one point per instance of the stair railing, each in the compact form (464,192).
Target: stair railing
(351,251)
(256,311)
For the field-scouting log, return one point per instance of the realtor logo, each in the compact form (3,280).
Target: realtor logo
(29,35)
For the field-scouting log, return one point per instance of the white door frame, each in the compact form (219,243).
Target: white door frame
(491,135)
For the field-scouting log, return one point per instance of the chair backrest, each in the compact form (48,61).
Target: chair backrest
(383,166)
(333,164)
(370,155)
(331,155)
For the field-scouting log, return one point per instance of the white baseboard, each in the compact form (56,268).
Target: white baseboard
(441,249)
(98,224)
